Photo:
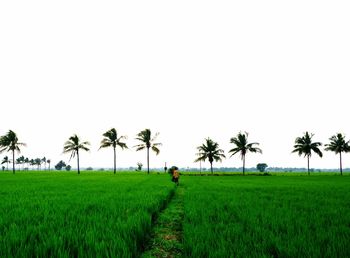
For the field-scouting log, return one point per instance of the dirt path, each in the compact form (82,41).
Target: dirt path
(167,232)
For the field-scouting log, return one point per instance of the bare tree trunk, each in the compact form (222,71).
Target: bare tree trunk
(114,160)
(211,167)
(243,164)
(308,165)
(78,162)
(341,166)
(13,162)
(147,160)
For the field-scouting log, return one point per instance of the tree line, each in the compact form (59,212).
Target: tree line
(209,150)
(27,162)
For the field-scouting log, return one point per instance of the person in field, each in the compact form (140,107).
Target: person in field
(176,176)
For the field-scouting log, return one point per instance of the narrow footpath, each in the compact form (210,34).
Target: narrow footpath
(166,238)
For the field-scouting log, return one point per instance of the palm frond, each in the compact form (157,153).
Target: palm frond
(155,149)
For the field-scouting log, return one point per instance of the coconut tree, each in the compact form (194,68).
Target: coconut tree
(32,163)
(111,139)
(338,144)
(210,150)
(49,162)
(26,161)
(243,147)
(7,161)
(9,142)
(304,146)
(43,160)
(145,136)
(73,145)
(20,161)
(38,162)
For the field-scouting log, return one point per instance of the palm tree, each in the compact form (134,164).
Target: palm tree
(73,145)
(32,163)
(20,161)
(111,139)
(7,161)
(43,160)
(304,145)
(38,162)
(49,162)
(210,150)
(243,147)
(338,144)
(26,161)
(147,142)
(9,142)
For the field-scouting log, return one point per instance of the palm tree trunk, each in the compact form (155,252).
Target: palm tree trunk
(308,165)
(341,167)
(147,160)
(211,167)
(13,162)
(78,162)
(114,160)
(243,164)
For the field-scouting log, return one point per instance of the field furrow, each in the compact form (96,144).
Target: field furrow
(166,238)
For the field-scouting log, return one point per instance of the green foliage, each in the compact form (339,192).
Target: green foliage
(61,164)
(68,167)
(139,166)
(147,140)
(291,216)
(338,145)
(111,139)
(62,215)
(243,147)
(73,145)
(210,150)
(9,142)
(261,167)
(305,146)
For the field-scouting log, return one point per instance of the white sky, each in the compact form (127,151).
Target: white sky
(185,69)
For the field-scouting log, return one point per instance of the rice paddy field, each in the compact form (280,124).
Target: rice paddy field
(66,215)
(275,216)
(98,214)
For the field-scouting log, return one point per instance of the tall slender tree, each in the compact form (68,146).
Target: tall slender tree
(304,146)
(26,161)
(145,136)
(43,160)
(210,150)
(73,145)
(243,147)
(32,163)
(49,162)
(20,161)
(111,139)
(338,145)
(38,162)
(9,142)
(7,161)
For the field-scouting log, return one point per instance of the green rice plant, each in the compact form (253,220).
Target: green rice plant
(266,216)
(91,215)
